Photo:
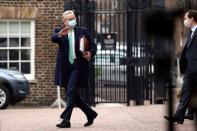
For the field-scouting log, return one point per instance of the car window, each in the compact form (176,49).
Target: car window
(109,58)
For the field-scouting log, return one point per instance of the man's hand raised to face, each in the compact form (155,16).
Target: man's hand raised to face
(63,31)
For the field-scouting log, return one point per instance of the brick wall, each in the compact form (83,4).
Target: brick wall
(47,15)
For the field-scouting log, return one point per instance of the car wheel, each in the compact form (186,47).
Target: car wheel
(4,97)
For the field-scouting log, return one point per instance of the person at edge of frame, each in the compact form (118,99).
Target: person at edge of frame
(188,67)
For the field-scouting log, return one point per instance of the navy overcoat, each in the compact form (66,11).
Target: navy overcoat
(62,71)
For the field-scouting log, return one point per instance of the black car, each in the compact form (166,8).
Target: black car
(14,87)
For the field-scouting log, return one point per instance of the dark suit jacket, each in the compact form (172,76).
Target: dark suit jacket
(188,62)
(62,63)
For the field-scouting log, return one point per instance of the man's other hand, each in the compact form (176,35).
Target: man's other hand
(87,55)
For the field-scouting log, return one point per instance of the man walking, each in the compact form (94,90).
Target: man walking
(72,67)
(188,66)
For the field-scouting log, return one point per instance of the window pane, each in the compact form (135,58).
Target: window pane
(14,66)
(14,42)
(3,65)
(14,28)
(3,54)
(25,42)
(25,67)
(25,54)
(3,42)
(25,28)
(14,54)
(3,29)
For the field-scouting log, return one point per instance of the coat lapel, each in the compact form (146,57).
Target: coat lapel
(76,35)
(195,33)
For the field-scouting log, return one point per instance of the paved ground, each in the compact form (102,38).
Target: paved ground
(110,118)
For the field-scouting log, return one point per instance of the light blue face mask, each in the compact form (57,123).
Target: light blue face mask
(72,23)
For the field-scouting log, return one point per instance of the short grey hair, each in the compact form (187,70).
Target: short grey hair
(67,12)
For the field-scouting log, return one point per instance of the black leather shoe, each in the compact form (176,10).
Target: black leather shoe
(189,117)
(64,124)
(174,119)
(91,120)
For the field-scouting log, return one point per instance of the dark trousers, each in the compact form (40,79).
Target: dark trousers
(73,97)
(189,82)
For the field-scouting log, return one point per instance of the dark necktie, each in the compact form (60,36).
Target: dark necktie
(189,38)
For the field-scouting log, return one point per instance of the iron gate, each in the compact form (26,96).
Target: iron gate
(122,68)
(110,80)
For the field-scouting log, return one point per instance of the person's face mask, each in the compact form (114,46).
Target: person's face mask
(72,23)
(187,23)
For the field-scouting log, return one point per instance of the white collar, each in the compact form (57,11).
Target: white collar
(193,28)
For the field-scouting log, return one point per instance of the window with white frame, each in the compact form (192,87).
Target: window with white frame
(17,38)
